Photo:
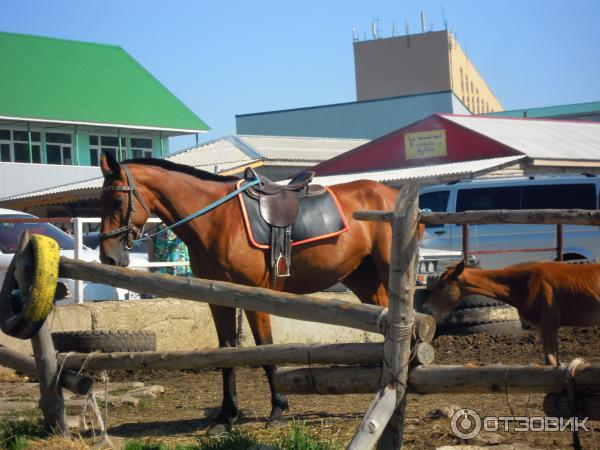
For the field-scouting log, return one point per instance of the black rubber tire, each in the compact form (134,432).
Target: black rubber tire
(474,301)
(106,341)
(480,315)
(506,328)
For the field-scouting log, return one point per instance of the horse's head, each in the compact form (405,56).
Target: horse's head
(447,292)
(124,212)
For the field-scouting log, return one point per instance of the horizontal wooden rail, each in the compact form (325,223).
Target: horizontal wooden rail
(301,307)
(367,353)
(501,216)
(78,384)
(439,379)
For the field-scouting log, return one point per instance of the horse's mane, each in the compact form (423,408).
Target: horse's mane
(169,165)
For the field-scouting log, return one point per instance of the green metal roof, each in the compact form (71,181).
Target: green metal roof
(552,111)
(60,80)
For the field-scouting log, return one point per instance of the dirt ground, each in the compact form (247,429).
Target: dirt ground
(183,412)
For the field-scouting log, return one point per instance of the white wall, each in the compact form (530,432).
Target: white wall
(21,178)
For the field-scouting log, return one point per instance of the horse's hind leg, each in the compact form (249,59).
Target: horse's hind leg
(224,319)
(260,324)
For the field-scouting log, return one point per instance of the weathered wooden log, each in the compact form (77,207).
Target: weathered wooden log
(375,420)
(557,405)
(78,384)
(422,354)
(439,379)
(328,380)
(51,398)
(424,327)
(525,216)
(368,353)
(301,307)
(18,361)
(398,324)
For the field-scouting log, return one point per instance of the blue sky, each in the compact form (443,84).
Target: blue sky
(223,58)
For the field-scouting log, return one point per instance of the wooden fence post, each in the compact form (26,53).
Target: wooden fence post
(398,330)
(405,225)
(51,398)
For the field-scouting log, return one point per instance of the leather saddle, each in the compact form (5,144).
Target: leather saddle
(279,204)
(279,207)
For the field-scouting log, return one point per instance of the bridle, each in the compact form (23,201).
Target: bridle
(132,231)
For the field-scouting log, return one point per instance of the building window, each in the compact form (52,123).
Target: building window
(110,144)
(59,148)
(5,145)
(141,147)
(14,146)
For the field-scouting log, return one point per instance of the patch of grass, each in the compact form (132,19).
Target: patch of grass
(300,438)
(236,440)
(14,434)
(144,404)
(139,445)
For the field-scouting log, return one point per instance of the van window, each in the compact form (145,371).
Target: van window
(488,198)
(436,202)
(560,196)
(10,233)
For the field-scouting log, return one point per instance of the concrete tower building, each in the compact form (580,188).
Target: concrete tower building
(420,64)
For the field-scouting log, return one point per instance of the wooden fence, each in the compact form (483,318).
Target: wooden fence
(406,332)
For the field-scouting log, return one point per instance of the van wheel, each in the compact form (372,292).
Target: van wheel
(106,341)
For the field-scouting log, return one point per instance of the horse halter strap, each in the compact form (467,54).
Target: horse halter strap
(130,228)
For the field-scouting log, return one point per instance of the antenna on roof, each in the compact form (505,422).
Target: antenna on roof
(354,34)
(422,22)
(375,28)
(394,28)
(407,33)
(444,18)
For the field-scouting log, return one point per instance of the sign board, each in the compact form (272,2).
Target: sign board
(425,144)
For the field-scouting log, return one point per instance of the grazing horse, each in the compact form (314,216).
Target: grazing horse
(220,248)
(546,294)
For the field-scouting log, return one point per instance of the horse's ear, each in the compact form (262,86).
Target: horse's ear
(458,269)
(109,164)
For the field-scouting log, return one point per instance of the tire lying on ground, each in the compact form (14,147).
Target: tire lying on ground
(106,341)
(472,301)
(479,314)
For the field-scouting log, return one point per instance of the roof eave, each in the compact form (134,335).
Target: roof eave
(173,131)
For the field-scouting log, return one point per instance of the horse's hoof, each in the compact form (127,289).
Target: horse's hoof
(274,424)
(218,429)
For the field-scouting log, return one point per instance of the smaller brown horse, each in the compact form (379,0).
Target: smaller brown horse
(547,294)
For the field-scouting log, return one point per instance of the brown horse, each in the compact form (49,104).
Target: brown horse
(220,249)
(547,294)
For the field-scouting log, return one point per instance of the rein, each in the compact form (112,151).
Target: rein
(130,228)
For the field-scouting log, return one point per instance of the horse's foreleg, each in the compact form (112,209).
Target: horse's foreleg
(224,319)
(260,324)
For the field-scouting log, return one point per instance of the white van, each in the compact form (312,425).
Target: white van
(10,233)
(498,245)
